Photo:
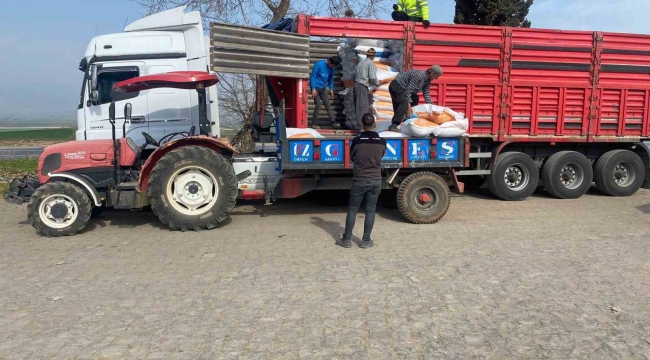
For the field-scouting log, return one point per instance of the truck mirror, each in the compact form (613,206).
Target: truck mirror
(111,112)
(127,112)
(94,97)
(93,77)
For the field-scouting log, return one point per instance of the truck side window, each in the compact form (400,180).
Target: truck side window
(107,77)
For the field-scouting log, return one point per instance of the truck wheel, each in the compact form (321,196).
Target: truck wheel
(514,177)
(59,209)
(192,188)
(567,175)
(472,182)
(619,173)
(423,198)
(388,199)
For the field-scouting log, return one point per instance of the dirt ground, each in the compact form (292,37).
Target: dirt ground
(538,279)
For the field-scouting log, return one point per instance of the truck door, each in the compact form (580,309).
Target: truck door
(170,110)
(96,114)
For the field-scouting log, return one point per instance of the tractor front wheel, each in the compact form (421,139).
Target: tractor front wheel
(59,209)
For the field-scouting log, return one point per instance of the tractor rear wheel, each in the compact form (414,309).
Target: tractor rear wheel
(192,188)
(59,209)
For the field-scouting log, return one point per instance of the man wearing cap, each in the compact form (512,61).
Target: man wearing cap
(404,86)
(365,76)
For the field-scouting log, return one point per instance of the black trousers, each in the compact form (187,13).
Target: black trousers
(401,16)
(361,106)
(400,100)
(362,189)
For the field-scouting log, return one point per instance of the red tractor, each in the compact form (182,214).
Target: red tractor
(187,180)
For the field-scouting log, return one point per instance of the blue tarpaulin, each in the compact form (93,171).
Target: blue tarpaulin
(280,25)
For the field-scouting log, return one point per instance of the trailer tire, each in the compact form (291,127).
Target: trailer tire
(423,198)
(567,175)
(59,209)
(514,177)
(192,188)
(619,173)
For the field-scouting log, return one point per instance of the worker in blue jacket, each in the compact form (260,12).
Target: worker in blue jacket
(320,81)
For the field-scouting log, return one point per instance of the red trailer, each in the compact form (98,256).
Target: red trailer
(546,107)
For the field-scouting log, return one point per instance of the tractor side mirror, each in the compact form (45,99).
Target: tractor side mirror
(111,112)
(127,112)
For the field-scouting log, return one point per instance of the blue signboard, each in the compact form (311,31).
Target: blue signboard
(418,150)
(447,150)
(393,150)
(331,151)
(301,151)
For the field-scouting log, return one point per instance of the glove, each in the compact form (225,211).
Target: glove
(426,23)
(395,7)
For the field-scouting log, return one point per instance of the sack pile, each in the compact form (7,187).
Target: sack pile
(306,133)
(433,120)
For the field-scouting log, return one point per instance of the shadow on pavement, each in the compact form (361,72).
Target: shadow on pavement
(644,208)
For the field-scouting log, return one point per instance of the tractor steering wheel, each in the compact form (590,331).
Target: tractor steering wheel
(150,140)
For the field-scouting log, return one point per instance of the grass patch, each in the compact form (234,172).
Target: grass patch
(62,134)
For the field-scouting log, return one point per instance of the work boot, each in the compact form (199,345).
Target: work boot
(393,128)
(336,126)
(344,243)
(366,244)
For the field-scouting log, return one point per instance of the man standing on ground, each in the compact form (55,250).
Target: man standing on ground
(412,10)
(365,76)
(404,86)
(320,81)
(366,154)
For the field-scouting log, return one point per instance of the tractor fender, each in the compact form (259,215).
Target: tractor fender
(220,145)
(79,181)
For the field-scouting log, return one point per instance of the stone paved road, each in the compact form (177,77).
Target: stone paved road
(537,279)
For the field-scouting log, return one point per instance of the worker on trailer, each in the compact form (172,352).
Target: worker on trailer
(320,81)
(366,151)
(365,76)
(404,86)
(412,10)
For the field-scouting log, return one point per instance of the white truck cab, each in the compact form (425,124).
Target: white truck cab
(171,40)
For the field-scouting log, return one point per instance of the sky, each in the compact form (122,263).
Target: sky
(42,41)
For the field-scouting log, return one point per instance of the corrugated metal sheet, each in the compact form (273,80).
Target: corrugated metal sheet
(319,50)
(246,50)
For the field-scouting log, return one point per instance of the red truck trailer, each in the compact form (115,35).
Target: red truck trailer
(552,108)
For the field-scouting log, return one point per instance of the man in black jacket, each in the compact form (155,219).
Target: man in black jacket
(366,153)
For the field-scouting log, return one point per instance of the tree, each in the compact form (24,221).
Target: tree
(493,12)
(236,91)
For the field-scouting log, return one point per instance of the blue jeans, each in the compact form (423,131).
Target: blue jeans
(368,190)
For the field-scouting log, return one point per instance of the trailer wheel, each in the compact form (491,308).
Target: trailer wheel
(192,188)
(59,209)
(514,177)
(619,173)
(567,175)
(423,198)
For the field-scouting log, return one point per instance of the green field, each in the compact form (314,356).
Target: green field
(37,134)
(10,169)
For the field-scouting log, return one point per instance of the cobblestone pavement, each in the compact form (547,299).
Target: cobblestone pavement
(538,279)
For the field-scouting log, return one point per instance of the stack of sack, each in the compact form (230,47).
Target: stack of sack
(434,120)
(306,133)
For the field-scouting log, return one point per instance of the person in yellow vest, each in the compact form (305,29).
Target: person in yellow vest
(412,10)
